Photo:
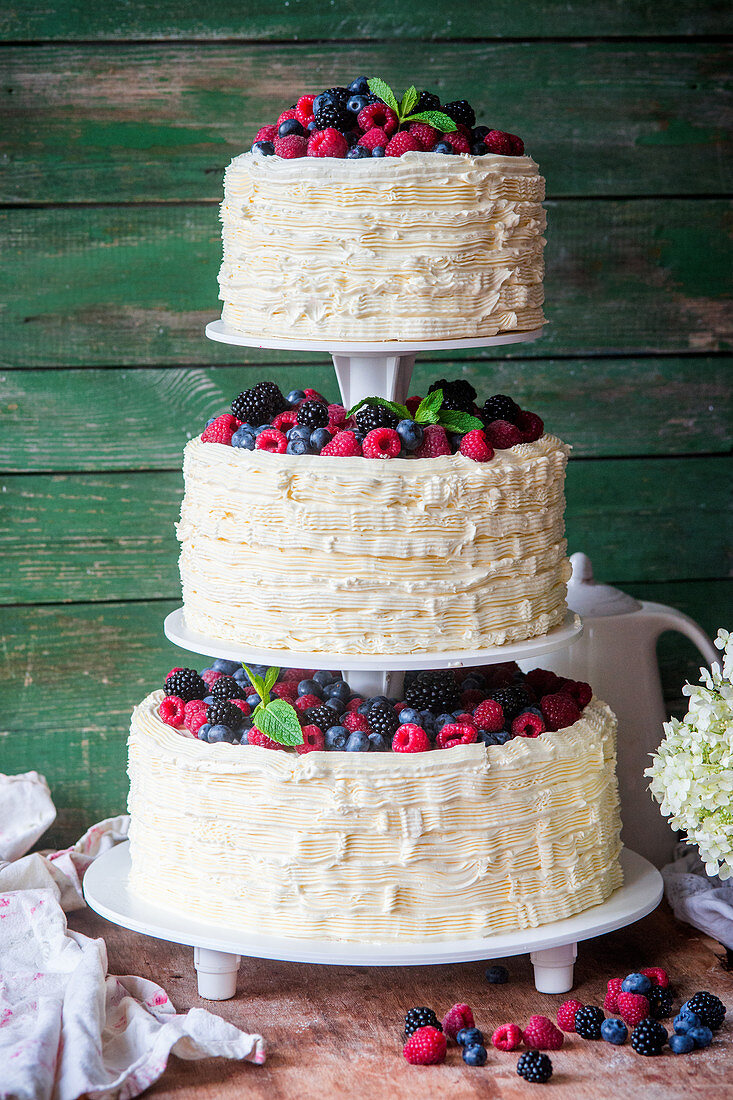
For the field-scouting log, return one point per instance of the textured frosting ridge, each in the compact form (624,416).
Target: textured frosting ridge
(423,247)
(367,847)
(359,556)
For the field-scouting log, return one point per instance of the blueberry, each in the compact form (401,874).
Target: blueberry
(335,704)
(203,733)
(310,687)
(474,682)
(455,439)
(410,716)
(208,699)
(359,437)
(243,740)
(358,152)
(499,738)
(244,439)
(259,670)
(258,431)
(210,420)
(264,148)
(377,151)
(253,700)
(220,733)
(312,125)
(319,438)
(469,1037)
(295,396)
(377,743)
(364,708)
(298,431)
(497,975)
(443,147)
(352,138)
(478,148)
(486,738)
(360,86)
(227,667)
(295,447)
(323,677)
(701,1036)
(240,676)
(443,720)
(356,103)
(678,1044)
(636,983)
(410,433)
(378,699)
(290,126)
(337,738)
(358,741)
(479,132)
(475,1055)
(684,1021)
(614,1031)
(339,689)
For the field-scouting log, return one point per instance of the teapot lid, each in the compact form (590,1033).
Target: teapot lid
(592,600)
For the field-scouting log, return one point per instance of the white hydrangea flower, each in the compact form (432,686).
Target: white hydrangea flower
(692,771)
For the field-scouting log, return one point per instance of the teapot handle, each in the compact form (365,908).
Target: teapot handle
(660,618)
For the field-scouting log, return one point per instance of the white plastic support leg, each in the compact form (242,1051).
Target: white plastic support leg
(553,968)
(373,375)
(366,682)
(216,972)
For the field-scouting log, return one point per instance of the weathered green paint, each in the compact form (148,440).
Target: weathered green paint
(88,124)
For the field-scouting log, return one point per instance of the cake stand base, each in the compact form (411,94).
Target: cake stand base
(217,948)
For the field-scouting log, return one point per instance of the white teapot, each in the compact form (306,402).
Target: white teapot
(616,655)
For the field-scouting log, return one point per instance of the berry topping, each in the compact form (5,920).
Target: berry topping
(343,445)
(424,134)
(410,738)
(425,1047)
(373,139)
(435,442)
(382,443)
(458,394)
(566,1014)
(261,740)
(542,1034)
(401,143)
(458,142)
(531,426)
(474,445)
(436,691)
(354,721)
(543,682)
(496,141)
(266,133)
(226,687)
(327,143)
(195,715)
(220,430)
(501,434)
(513,699)
(313,740)
(582,693)
(648,1037)
(507,1037)
(224,713)
(382,719)
(304,109)
(588,1021)
(528,724)
(272,440)
(632,1007)
(489,716)
(291,146)
(186,684)
(458,1018)
(420,1017)
(460,110)
(378,115)
(172,711)
(284,421)
(559,711)
(455,734)
(305,702)
(313,414)
(501,407)
(535,1067)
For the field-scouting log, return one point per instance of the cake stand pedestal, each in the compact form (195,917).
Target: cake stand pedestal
(217,948)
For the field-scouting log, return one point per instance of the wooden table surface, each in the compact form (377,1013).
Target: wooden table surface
(335,1031)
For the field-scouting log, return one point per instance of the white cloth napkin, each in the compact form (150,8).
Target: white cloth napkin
(67,1029)
(698,899)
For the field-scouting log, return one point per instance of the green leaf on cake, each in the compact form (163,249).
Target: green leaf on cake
(380,87)
(437,119)
(271,678)
(408,101)
(428,409)
(400,411)
(456,421)
(258,684)
(279,721)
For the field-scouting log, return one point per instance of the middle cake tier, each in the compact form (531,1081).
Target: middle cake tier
(349,555)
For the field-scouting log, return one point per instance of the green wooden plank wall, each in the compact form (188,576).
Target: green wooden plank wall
(116,122)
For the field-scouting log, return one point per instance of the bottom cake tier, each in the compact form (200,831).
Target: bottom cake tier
(464,842)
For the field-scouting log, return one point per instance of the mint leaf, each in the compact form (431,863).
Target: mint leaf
(436,119)
(279,721)
(408,101)
(382,89)
(271,678)
(427,410)
(399,410)
(257,683)
(455,421)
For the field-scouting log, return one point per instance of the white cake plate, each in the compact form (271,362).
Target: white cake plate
(217,949)
(365,369)
(379,673)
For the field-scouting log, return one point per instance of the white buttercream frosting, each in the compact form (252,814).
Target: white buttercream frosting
(354,555)
(422,247)
(462,842)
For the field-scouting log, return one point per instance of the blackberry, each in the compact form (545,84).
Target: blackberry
(708,1007)
(512,700)
(460,110)
(339,95)
(648,1037)
(273,395)
(534,1066)
(252,407)
(313,414)
(436,691)
(588,1021)
(324,717)
(226,687)
(458,395)
(186,684)
(421,1017)
(224,713)
(426,101)
(500,407)
(382,719)
(375,416)
(660,1002)
(329,109)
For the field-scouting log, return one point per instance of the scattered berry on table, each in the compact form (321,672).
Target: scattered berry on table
(648,1037)
(636,983)
(632,1007)
(421,1017)
(681,1044)
(467,1036)
(660,1002)
(613,988)
(588,1020)
(426,1046)
(656,974)
(614,1031)
(701,1036)
(708,1007)
(458,1018)
(534,1066)
(497,974)
(566,1014)
(186,684)
(541,1034)
(507,1037)
(475,1055)
(684,1021)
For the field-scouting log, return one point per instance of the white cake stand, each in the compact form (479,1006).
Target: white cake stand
(217,948)
(366,369)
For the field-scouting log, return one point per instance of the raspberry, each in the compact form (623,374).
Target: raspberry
(271,440)
(581,692)
(454,734)
(458,141)
(381,443)
(489,716)
(474,445)
(507,1037)
(410,738)
(434,442)
(283,422)
(655,974)
(336,416)
(314,395)
(286,689)
(632,1008)
(305,702)
(209,676)
(374,138)
(531,426)
(353,704)
(243,705)
(566,1014)
(613,987)
(343,445)
(413,404)
(313,740)
(543,682)
(559,710)
(517,145)
(195,714)
(456,1019)
(257,737)
(172,710)
(291,146)
(327,143)
(528,724)
(221,430)
(424,134)
(304,109)
(287,115)
(298,674)
(266,133)
(496,141)
(378,115)
(471,699)
(353,721)
(541,1034)
(425,1047)
(402,143)
(501,434)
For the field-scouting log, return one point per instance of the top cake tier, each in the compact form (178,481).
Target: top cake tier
(417,247)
